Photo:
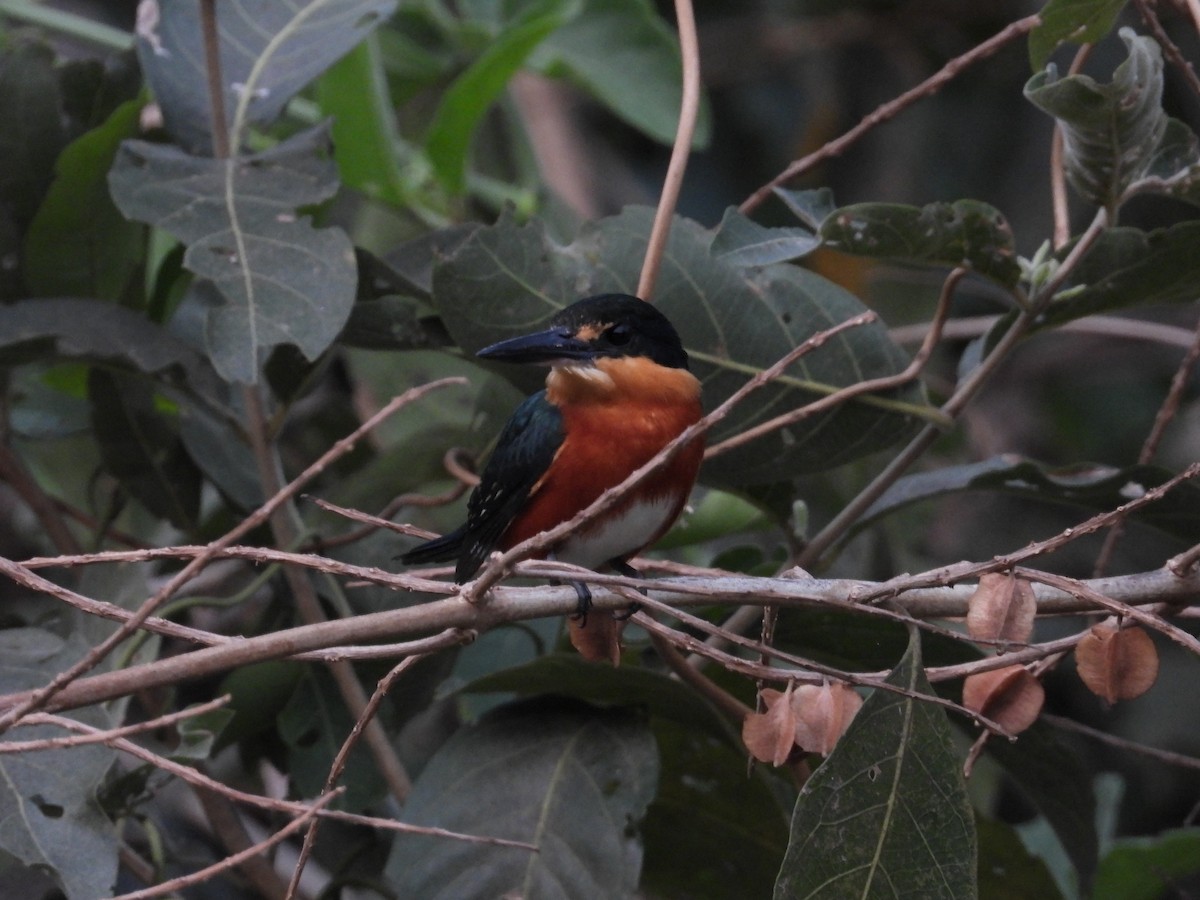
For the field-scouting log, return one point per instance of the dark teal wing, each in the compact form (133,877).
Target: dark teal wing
(523,453)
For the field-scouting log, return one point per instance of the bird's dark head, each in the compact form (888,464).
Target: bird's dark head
(608,326)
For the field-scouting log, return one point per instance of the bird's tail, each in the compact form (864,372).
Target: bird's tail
(442,549)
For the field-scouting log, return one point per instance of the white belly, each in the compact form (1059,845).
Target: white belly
(617,537)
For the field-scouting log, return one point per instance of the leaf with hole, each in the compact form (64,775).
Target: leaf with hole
(52,820)
(963,233)
(886,815)
(274,278)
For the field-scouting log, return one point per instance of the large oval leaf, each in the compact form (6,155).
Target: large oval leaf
(571,779)
(735,322)
(270,276)
(887,814)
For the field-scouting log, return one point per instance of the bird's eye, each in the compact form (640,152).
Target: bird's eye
(619,334)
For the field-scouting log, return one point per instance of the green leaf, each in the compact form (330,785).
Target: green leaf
(743,242)
(272,277)
(314,724)
(1111,132)
(221,450)
(627,57)
(714,829)
(571,779)
(354,93)
(409,266)
(886,815)
(33,135)
(141,448)
(199,734)
(1149,868)
(258,693)
(392,322)
(448,142)
(1128,267)
(1077,21)
(962,233)
(1091,486)
(1059,786)
(734,322)
(570,675)
(51,820)
(853,641)
(1007,871)
(269,51)
(78,243)
(94,331)
(1175,168)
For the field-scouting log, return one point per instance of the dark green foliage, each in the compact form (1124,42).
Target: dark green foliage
(387,206)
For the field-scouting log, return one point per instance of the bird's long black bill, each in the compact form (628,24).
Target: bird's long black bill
(546,346)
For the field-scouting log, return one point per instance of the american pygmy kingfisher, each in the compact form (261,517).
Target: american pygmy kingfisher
(618,391)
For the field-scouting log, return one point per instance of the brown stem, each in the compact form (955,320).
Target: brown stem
(227,825)
(212,71)
(690,50)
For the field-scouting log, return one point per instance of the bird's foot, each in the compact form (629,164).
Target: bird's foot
(585,601)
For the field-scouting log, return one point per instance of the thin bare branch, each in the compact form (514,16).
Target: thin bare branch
(1170,49)
(39,698)
(232,861)
(339,763)
(107,735)
(1163,756)
(1058,169)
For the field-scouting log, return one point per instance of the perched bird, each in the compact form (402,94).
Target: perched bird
(618,391)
